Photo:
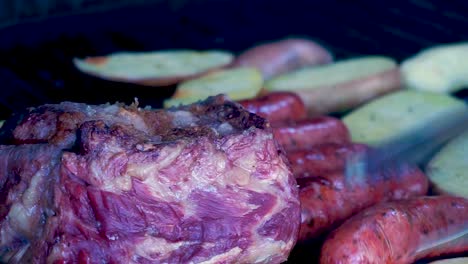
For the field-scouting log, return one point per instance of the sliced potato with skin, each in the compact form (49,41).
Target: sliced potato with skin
(460,260)
(342,85)
(392,115)
(448,170)
(237,84)
(442,69)
(154,68)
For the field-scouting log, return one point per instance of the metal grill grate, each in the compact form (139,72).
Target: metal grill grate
(35,64)
(35,57)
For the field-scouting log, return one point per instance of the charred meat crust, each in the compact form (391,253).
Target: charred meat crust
(205,182)
(58,124)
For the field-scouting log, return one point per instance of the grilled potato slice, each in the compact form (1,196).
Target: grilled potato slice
(390,116)
(155,68)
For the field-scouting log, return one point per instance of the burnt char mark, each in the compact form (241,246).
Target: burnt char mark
(55,124)
(189,132)
(62,124)
(219,108)
(238,117)
(96,134)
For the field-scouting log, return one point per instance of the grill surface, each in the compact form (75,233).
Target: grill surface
(36,67)
(35,64)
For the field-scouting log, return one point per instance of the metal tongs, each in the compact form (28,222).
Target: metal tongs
(413,147)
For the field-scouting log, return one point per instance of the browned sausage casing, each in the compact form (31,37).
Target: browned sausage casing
(307,133)
(329,199)
(277,107)
(322,159)
(275,58)
(401,232)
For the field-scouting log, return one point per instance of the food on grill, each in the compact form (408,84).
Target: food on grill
(330,198)
(277,107)
(279,57)
(460,260)
(322,159)
(341,85)
(157,68)
(59,124)
(442,68)
(395,114)
(401,232)
(209,181)
(200,183)
(310,132)
(29,195)
(237,84)
(447,171)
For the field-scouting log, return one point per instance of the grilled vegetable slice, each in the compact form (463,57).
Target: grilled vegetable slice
(441,68)
(341,85)
(154,68)
(392,115)
(448,170)
(238,84)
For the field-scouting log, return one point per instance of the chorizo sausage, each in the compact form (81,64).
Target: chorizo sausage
(329,199)
(310,132)
(401,232)
(322,159)
(277,107)
(275,58)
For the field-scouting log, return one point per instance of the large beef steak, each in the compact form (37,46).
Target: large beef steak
(204,183)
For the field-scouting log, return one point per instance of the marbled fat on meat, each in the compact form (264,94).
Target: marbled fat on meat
(204,183)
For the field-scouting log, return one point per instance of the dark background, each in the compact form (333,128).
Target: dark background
(37,43)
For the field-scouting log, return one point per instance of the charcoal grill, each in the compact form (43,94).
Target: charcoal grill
(37,47)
